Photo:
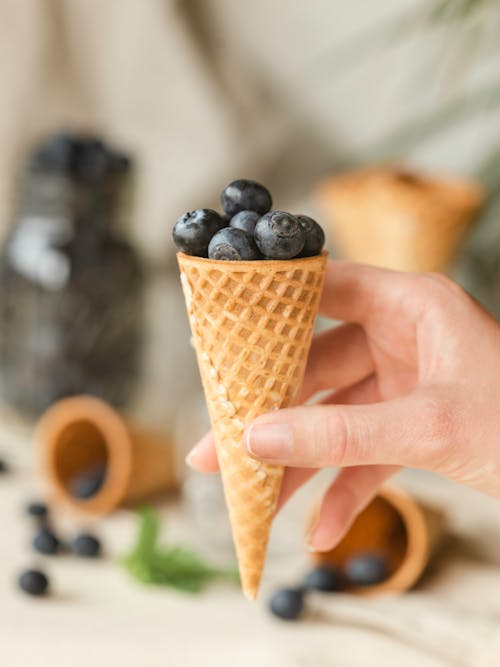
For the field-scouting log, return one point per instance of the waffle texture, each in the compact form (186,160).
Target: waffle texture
(399,219)
(252,324)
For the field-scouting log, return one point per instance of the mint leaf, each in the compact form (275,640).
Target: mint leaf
(176,566)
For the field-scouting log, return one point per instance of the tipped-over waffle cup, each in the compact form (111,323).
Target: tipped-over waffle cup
(402,530)
(84,433)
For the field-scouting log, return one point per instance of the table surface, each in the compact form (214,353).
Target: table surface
(98,615)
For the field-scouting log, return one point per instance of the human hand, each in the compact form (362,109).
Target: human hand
(414,380)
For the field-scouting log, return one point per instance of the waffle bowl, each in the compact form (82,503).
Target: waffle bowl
(405,532)
(81,432)
(399,219)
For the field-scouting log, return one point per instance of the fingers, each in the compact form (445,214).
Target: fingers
(339,357)
(348,495)
(293,479)
(414,430)
(352,292)
(365,391)
(203,456)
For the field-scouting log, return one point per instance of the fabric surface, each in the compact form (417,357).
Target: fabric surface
(96,613)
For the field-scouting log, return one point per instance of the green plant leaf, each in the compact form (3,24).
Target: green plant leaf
(175,566)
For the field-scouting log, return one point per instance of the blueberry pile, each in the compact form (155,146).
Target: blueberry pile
(84,158)
(362,569)
(248,229)
(45,541)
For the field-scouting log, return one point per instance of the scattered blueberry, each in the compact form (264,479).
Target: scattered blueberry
(193,231)
(245,195)
(245,220)
(46,542)
(88,482)
(33,582)
(324,578)
(86,545)
(314,236)
(279,235)
(37,510)
(3,467)
(287,603)
(233,244)
(366,569)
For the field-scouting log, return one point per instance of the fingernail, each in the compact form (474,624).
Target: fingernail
(189,459)
(269,441)
(310,535)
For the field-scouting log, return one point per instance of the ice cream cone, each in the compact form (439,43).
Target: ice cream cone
(399,219)
(396,526)
(252,324)
(77,434)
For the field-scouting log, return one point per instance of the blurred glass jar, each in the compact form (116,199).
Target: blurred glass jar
(71,287)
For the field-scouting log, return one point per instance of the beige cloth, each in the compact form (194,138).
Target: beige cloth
(98,615)
(148,75)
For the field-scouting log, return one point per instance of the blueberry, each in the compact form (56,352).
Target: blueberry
(245,195)
(288,603)
(120,162)
(245,220)
(88,482)
(3,467)
(279,235)
(233,244)
(366,569)
(46,542)
(55,153)
(314,236)
(324,578)
(91,159)
(86,545)
(194,230)
(33,582)
(37,510)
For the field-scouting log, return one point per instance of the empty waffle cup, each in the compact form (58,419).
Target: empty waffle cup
(84,433)
(396,527)
(397,218)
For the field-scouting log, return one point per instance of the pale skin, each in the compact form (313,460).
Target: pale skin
(414,380)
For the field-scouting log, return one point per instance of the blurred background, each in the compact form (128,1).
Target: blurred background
(118,116)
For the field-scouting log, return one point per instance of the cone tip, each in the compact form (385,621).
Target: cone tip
(250,593)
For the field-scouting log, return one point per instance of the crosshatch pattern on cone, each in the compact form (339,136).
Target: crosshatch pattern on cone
(252,324)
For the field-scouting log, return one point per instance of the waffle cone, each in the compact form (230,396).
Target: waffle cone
(79,432)
(399,219)
(252,324)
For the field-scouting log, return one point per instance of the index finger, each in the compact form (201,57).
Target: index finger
(353,291)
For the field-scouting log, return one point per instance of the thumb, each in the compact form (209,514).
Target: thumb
(413,430)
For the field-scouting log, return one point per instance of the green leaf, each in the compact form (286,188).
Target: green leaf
(175,566)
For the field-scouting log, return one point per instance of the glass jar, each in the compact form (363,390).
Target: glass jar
(71,287)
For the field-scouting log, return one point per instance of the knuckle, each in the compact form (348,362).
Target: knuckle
(441,419)
(441,287)
(337,438)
